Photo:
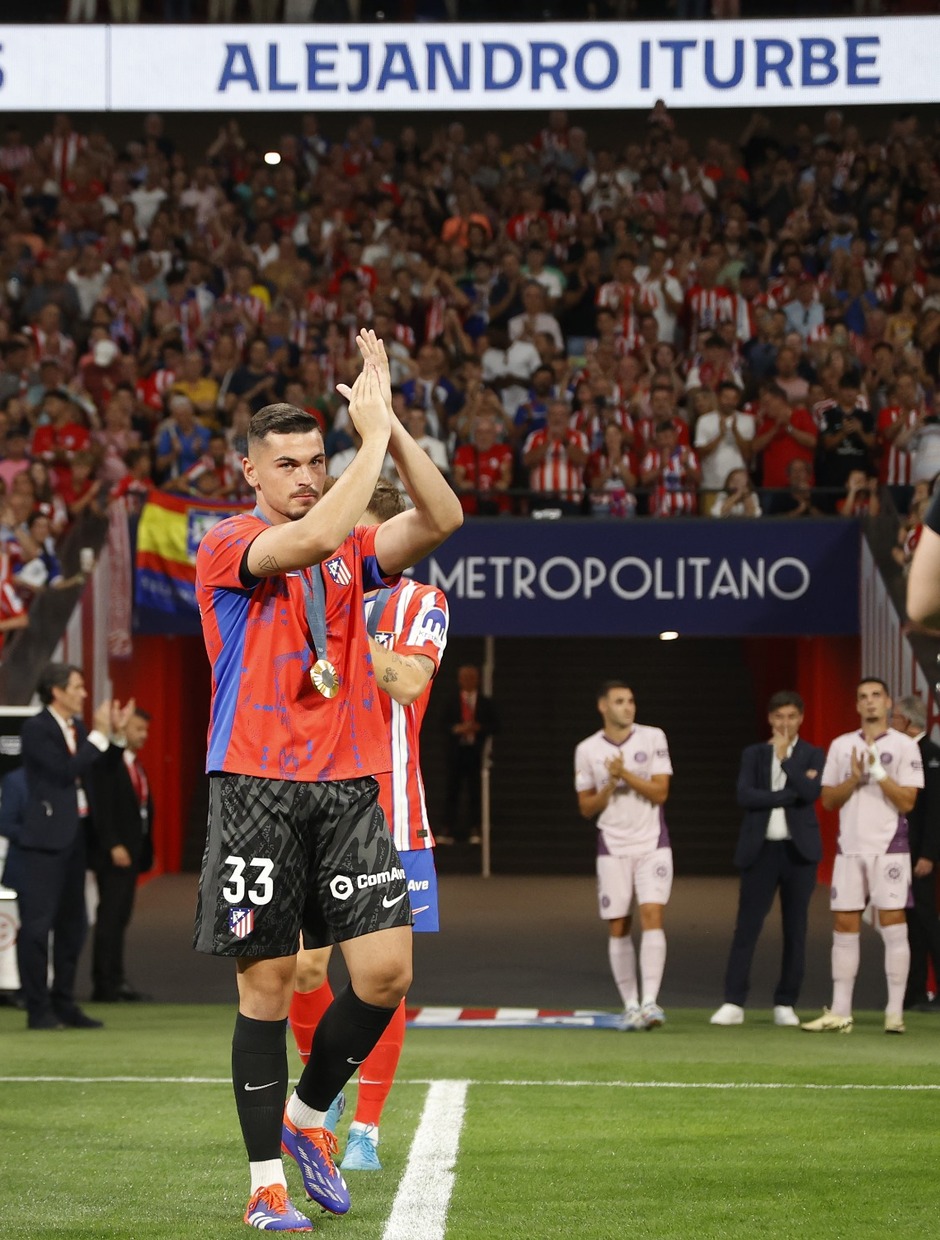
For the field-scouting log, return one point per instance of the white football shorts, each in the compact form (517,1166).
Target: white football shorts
(649,875)
(882,878)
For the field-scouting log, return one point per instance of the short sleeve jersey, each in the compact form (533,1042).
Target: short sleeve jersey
(267,718)
(414,621)
(869,825)
(630,825)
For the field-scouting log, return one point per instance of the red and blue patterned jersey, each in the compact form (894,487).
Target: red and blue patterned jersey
(267,717)
(414,621)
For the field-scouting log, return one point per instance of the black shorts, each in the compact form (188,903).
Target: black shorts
(284,856)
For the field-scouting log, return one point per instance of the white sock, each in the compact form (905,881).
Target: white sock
(263,1174)
(897,964)
(652,962)
(369,1130)
(844,972)
(302,1116)
(622,956)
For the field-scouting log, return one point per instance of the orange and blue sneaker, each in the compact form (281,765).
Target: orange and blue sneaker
(270,1209)
(313,1149)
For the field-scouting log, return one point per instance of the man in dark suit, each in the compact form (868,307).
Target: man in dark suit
(470,719)
(778,849)
(122,809)
(49,857)
(923,928)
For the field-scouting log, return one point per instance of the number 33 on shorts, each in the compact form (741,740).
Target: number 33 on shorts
(257,887)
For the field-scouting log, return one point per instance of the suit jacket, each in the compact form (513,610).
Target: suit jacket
(797,799)
(51,821)
(13,798)
(116,812)
(924,819)
(485,715)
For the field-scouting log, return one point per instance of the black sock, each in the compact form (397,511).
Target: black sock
(344,1037)
(259,1075)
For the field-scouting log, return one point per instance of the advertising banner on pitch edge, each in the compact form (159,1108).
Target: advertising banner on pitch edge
(457,67)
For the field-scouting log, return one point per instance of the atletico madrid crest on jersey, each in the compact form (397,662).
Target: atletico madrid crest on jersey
(339,570)
(241,922)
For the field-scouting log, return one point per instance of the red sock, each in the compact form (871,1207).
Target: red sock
(378,1072)
(306,1011)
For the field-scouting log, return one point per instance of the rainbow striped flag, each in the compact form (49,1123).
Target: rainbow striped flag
(168,536)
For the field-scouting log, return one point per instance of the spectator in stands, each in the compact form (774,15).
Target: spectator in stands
(609,476)
(60,433)
(555,458)
(737,498)
(415,419)
(847,438)
(723,441)
(783,435)
(535,317)
(181,441)
(483,470)
(861,496)
(797,500)
(672,473)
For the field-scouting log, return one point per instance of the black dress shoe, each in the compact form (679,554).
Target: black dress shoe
(75,1018)
(127,994)
(46,1021)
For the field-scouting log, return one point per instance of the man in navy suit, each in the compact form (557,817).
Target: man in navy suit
(923,823)
(49,856)
(778,849)
(122,811)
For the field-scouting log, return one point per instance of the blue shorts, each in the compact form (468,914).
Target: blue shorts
(418,865)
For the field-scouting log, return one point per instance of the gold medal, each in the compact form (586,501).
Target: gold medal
(325,678)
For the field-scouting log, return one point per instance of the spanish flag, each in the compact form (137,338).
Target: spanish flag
(168,536)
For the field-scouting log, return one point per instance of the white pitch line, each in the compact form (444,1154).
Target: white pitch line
(737,1085)
(419,1211)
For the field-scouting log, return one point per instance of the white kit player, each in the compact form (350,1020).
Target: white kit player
(871,777)
(621,776)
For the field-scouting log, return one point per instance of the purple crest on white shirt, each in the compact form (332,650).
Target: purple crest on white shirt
(640,757)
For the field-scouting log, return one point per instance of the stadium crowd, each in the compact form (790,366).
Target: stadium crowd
(746,328)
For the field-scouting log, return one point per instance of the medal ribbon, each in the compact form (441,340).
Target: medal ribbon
(378,606)
(314,600)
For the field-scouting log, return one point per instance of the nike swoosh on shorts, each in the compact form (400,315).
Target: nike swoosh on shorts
(387,903)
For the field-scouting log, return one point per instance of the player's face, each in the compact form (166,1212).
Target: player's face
(287,473)
(786,721)
(618,708)
(873,703)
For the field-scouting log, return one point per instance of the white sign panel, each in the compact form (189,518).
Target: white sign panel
(53,69)
(458,68)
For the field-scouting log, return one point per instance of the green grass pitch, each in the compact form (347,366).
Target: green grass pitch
(686,1132)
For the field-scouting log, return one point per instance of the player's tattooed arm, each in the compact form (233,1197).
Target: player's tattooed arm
(268,564)
(403,677)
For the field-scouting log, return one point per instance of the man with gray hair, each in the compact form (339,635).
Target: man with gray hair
(923,928)
(181,440)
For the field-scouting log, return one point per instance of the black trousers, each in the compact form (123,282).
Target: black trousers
(463,771)
(923,933)
(779,867)
(51,897)
(116,888)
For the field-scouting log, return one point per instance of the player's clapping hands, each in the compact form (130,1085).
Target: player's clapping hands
(373,349)
(369,411)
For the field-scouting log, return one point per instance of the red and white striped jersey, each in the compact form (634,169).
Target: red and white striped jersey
(414,620)
(247,304)
(895,464)
(65,151)
(555,474)
(706,308)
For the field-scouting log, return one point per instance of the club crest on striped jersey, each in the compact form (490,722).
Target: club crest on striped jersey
(339,570)
(385,639)
(241,921)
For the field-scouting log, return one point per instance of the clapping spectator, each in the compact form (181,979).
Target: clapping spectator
(797,500)
(723,442)
(671,471)
(555,458)
(737,498)
(610,477)
(861,496)
(483,470)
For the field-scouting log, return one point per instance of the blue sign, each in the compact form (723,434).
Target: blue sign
(697,577)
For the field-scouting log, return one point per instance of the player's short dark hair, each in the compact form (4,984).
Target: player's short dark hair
(387,500)
(280,419)
(142,714)
(608,686)
(785,697)
(873,680)
(54,676)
